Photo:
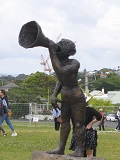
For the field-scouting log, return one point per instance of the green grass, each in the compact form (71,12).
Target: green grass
(43,137)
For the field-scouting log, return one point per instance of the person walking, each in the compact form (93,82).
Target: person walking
(56,114)
(101,124)
(118,118)
(6,108)
(1,114)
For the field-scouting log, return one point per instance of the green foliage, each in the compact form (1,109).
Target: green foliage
(100,102)
(21,77)
(41,84)
(110,83)
(33,86)
(105,104)
(104,70)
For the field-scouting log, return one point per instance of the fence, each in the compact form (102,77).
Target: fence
(33,112)
(29,112)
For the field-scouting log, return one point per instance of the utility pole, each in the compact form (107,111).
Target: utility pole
(1,81)
(86,82)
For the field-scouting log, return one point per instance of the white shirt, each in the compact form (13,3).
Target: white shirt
(118,114)
(56,114)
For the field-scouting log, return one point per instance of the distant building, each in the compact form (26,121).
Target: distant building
(42,99)
(99,94)
(113,96)
(9,86)
(117,72)
(110,71)
(102,75)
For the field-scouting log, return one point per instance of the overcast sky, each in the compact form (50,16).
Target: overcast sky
(93,24)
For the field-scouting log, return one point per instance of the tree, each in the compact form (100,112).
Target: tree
(106,105)
(110,83)
(100,102)
(34,85)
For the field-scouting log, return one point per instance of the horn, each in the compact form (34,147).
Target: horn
(31,35)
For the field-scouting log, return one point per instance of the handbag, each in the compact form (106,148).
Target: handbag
(9,113)
(58,119)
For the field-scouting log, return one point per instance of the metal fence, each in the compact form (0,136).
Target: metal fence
(30,112)
(33,112)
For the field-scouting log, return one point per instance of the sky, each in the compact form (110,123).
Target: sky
(94,26)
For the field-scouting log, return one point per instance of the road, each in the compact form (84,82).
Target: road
(108,124)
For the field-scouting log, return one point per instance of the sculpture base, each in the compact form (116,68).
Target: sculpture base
(39,155)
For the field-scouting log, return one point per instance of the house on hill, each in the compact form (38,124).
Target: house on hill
(96,93)
(42,99)
(113,96)
(99,94)
(9,86)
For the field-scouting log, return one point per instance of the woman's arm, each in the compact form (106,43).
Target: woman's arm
(91,123)
(95,114)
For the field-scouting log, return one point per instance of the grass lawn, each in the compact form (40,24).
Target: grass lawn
(43,137)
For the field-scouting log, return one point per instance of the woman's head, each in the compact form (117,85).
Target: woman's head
(100,110)
(2,93)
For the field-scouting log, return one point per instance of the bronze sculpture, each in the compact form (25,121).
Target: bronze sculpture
(73,99)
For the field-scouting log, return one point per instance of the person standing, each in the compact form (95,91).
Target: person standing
(118,118)
(56,114)
(6,109)
(92,116)
(90,141)
(101,124)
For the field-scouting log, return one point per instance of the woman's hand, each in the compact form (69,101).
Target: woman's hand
(89,126)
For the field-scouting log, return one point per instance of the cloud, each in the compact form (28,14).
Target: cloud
(94,25)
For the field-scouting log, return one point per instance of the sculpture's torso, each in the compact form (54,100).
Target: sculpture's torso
(68,78)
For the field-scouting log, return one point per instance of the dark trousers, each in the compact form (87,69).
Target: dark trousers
(57,124)
(118,126)
(101,126)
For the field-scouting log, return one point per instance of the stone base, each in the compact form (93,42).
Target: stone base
(39,155)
